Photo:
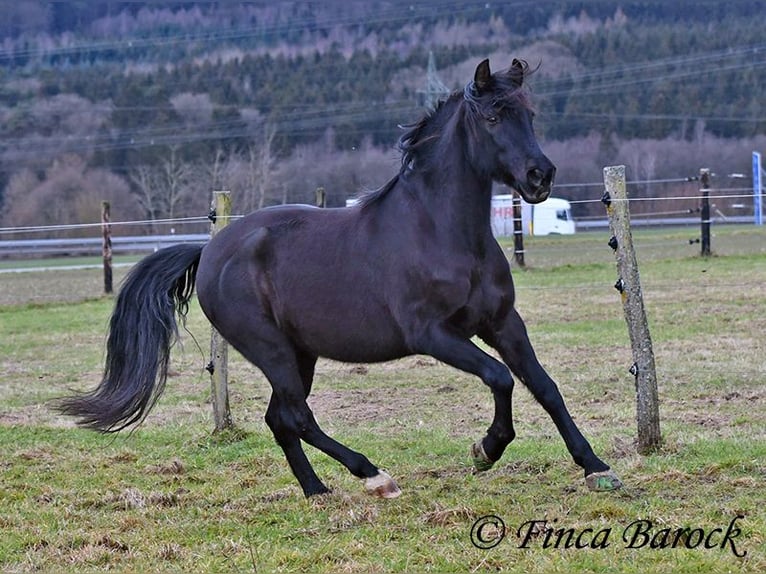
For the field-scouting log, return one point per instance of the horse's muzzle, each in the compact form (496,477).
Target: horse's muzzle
(539,183)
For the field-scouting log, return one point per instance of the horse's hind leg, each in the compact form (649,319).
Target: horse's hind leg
(289,417)
(512,342)
(288,439)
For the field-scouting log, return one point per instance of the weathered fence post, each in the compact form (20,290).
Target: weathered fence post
(705,213)
(106,246)
(219,349)
(321,197)
(757,189)
(629,285)
(518,231)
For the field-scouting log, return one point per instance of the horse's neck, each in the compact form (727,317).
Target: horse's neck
(458,198)
(466,195)
(460,203)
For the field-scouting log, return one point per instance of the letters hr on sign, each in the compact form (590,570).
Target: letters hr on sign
(488,531)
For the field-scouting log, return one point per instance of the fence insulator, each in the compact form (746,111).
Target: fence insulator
(613,243)
(606,199)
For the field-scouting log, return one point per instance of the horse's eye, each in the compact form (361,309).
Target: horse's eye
(492,119)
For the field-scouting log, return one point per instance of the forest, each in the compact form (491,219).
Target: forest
(154,105)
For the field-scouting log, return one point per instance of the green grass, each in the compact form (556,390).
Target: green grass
(172,497)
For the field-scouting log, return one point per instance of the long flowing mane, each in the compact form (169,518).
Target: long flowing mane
(418,142)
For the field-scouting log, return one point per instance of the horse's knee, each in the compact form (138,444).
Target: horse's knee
(290,421)
(272,417)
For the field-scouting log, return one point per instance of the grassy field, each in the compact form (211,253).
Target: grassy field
(171,497)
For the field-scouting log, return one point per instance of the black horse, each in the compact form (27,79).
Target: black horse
(412,269)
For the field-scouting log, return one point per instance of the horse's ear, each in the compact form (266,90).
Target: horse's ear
(483,76)
(517,72)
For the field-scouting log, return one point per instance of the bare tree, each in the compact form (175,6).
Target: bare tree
(218,173)
(70,192)
(161,190)
(52,127)
(174,183)
(261,169)
(145,186)
(216,168)
(196,110)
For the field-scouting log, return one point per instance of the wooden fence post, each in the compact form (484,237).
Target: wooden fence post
(106,246)
(629,285)
(705,213)
(219,348)
(518,231)
(321,197)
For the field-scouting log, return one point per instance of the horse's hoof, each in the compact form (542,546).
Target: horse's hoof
(603,481)
(382,485)
(481,461)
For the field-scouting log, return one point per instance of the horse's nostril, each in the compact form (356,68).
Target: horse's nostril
(535,177)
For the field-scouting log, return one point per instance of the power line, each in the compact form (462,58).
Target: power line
(313,120)
(201,219)
(309,24)
(633,70)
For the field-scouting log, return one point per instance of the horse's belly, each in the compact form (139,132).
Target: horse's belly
(347,336)
(356,354)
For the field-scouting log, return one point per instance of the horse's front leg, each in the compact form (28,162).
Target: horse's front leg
(459,352)
(500,434)
(510,339)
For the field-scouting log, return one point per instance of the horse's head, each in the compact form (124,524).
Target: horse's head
(501,123)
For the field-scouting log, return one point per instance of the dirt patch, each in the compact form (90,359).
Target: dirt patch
(132,498)
(413,392)
(449,516)
(32,415)
(173,468)
(355,405)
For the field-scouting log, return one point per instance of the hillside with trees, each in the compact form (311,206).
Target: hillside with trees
(153,105)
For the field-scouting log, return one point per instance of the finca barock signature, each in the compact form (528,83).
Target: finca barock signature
(488,531)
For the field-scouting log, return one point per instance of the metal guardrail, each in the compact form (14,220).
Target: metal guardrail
(92,245)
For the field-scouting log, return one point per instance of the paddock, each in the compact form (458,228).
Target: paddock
(171,496)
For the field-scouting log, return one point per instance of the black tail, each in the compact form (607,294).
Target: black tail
(142,331)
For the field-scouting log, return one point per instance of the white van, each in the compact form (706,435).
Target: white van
(552,216)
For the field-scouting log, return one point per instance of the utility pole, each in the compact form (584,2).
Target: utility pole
(435,89)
